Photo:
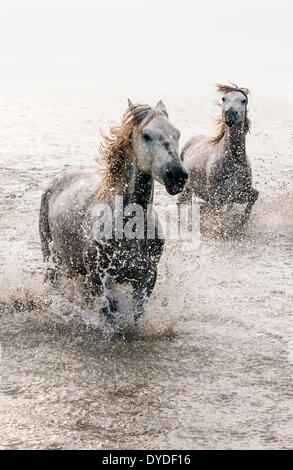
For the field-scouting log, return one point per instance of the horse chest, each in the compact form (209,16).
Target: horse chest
(129,260)
(235,179)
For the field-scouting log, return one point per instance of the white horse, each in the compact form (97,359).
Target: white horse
(142,149)
(219,169)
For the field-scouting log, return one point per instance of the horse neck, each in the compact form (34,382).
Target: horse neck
(138,187)
(234,142)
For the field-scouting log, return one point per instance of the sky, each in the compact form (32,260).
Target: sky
(133,47)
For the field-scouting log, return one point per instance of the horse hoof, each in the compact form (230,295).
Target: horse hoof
(109,310)
(138,316)
(243,219)
(110,316)
(51,275)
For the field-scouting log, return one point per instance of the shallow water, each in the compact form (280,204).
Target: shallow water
(210,366)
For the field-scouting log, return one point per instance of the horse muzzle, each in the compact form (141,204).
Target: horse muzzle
(231,117)
(175,178)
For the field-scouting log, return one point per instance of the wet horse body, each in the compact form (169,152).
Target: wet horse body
(68,210)
(219,169)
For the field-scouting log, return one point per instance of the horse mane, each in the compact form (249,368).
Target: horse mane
(118,143)
(223,89)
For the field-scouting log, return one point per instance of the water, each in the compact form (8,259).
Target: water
(210,365)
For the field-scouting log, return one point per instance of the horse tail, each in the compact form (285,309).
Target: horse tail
(44,227)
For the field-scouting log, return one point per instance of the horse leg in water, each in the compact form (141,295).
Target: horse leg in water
(185,198)
(251,199)
(215,204)
(93,279)
(53,269)
(95,282)
(142,289)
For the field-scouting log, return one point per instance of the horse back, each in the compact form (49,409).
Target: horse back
(69,196)
(195,155)
(189,147)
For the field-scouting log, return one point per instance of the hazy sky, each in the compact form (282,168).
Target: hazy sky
(137,47)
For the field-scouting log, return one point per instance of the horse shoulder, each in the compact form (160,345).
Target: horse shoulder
(68,200)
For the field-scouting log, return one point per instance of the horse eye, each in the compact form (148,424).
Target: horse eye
(146,137)
(223,99)
(243,101)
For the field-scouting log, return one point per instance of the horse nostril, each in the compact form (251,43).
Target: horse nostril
(231,113)
(185,175)
(169,174)
(175,178)
(177,174)
(230,117)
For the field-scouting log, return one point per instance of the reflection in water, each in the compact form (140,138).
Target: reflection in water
(208,365)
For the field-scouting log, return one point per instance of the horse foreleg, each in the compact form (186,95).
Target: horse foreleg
(252,197)
(96,285)
(93,279)
(185,196)
(184,200)
(142,290)
(215,201)
(54,263)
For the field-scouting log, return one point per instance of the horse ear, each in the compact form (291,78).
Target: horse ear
(244,90)
(160,105)
(130,104)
